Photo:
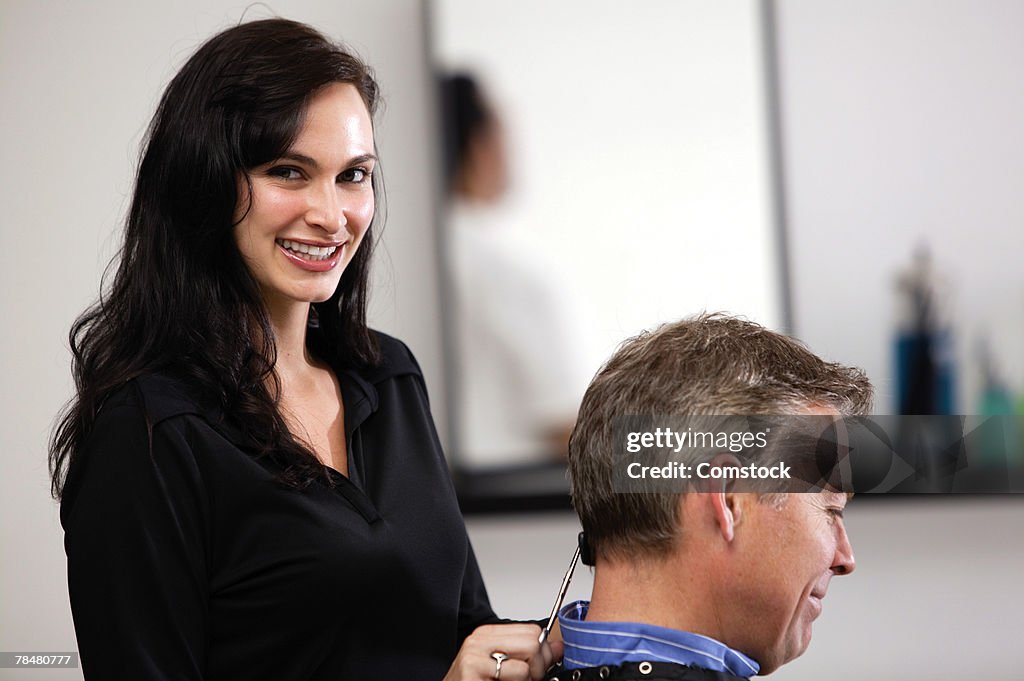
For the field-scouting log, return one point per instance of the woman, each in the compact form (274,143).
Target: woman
(250,481)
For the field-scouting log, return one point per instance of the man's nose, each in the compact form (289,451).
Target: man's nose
(844,562)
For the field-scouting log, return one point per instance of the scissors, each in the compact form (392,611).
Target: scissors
(582,550)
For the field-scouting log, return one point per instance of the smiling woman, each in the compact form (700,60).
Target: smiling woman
(306,213)
(251,484)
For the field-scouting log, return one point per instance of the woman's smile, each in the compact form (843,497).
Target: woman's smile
(312,257)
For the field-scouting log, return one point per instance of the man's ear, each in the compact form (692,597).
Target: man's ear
(724,502)
(728,512)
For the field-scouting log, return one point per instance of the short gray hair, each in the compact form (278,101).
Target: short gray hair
(711,364)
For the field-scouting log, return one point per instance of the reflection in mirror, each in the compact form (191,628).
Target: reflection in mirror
(520,374)
(620,179)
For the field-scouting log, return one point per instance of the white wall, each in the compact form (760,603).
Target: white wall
(78,82)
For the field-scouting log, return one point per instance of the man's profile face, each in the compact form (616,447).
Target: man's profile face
(790,553)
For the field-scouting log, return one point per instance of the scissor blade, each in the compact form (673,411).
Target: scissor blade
(564,589)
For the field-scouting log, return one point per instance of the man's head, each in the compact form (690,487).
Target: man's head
(770,555)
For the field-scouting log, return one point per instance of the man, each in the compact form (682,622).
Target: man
(720,584)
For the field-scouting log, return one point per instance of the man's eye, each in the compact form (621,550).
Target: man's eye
(355,175)
(835,512)
(285,172)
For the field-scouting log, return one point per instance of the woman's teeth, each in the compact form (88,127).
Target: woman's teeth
(308,252)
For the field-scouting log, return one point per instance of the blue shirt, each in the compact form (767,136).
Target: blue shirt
(592,644)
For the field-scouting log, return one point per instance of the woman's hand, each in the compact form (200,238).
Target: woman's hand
(526,659)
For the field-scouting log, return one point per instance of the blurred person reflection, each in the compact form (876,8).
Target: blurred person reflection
(519,372)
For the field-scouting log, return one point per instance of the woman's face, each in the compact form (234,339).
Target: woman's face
(311,207)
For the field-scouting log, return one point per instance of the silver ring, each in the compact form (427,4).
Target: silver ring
(498,657)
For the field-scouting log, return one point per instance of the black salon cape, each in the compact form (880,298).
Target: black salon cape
(193,563)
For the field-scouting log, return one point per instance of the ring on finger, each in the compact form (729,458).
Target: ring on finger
(498,658)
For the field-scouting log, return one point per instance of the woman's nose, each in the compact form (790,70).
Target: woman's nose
(326,210)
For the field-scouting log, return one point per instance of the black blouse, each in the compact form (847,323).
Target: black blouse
(187,560)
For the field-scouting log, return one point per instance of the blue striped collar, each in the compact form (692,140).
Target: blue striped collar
(591,644)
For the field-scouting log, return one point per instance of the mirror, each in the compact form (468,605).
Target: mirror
(622,178)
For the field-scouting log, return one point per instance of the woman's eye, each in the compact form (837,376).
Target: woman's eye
(355,175)
(285,173)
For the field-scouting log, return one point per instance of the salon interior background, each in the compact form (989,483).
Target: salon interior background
(898,123)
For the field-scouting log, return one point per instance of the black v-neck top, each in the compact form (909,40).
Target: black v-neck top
(187,560)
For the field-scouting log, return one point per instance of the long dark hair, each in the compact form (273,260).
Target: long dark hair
(182,301)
